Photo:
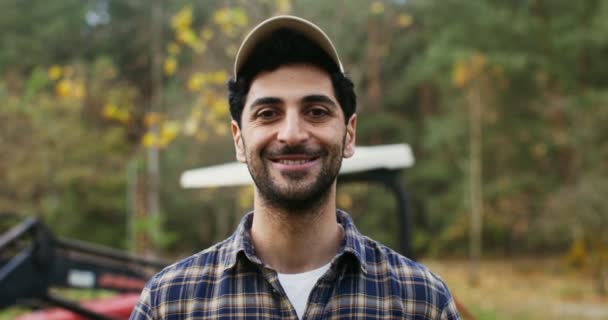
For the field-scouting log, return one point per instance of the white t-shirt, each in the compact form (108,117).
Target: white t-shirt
(298,286)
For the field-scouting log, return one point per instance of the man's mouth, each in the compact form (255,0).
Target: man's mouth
(293,159)
(292,162)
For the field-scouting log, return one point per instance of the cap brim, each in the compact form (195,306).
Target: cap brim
(265,28)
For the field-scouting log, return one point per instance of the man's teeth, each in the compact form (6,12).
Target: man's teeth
(293,162)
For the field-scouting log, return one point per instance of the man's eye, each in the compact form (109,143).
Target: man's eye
(267,114)
(317,112)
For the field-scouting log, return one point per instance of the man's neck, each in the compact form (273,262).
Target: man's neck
(294,243)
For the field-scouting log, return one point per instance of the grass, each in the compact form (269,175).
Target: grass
(526,289)
(70,294)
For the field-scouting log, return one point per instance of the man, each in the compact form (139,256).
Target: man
(295,256)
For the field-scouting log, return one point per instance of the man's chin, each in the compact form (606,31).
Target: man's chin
(294,175)
(301,198)
(294,206)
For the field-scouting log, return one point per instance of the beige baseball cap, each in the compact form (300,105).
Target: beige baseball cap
(268,26)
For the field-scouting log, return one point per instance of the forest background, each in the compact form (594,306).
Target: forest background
(104,103)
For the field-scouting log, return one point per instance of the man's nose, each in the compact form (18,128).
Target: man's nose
(293,129)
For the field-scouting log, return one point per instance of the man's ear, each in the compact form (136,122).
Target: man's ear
(349,139)
(239,147)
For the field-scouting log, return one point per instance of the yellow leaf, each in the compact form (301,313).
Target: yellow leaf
(231,50)
(55,72)
(219,77)
(149,139)
(173,48)
(228,30)
(206,34)
(123,116)
(110,110)
(78,90)
(196,113)
(404,20)
(221,16)
(219,107)
(376,7)
(196,81)
(199,47)
(168,132)
(152,118)
(578,253)
(344,201)
(63,88)
(170,128)
(283,6)
(183,18)
(239,17)
(478,61)
(227,19)
(220,129)
(246,197)
(187,36)
(170,66)
(206,98)
(461,74)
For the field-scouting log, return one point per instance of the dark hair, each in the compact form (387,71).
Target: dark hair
(285,47)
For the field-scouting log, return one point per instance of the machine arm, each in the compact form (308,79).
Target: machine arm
(32,260)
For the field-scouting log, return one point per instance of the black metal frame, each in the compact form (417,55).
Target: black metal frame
(45,261)
(390,180)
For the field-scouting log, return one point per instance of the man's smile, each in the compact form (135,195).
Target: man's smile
(294,162)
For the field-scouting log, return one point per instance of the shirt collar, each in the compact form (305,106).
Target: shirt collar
(354,241)
(240,241)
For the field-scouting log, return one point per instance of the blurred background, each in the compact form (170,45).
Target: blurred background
(104,103)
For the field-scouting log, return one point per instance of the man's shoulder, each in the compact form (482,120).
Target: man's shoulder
(408,285)
(409,274)
(192,269)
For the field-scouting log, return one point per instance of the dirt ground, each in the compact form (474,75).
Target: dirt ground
(523,289)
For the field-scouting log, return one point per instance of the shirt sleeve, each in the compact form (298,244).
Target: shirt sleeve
(449,311)
(143,309)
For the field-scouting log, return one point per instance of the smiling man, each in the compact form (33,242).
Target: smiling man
(296,256)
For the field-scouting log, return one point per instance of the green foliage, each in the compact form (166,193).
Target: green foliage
(33,35)
(540,66)
(63,169)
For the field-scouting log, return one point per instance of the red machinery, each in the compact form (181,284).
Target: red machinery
(32,260)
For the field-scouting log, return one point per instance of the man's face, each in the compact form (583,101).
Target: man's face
(293,136)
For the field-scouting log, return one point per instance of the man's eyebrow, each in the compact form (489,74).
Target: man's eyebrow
(318,98)
(265,101)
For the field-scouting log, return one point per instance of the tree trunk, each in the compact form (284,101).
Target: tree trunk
(475,137)
(374,57)
(153,194)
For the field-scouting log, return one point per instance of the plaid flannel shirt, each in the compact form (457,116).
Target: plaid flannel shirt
(366,280)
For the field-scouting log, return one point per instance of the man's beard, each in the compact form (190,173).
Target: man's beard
(296,196)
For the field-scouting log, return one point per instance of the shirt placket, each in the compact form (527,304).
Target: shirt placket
(320,295)
(287,311)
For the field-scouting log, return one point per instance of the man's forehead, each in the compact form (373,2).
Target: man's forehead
(292,82)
